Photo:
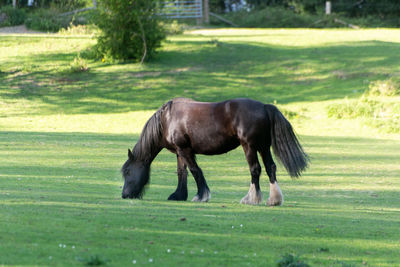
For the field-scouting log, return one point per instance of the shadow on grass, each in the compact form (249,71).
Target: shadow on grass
(57,156)
(207,72)
(64,188)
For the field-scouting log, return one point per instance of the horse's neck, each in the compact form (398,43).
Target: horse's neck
(144,153)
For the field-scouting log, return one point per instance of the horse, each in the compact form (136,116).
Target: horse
(186,127)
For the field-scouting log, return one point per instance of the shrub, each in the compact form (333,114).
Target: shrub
(375,108)
(173,27)
(79,30)
(363,107)
(47,20)
(63,5)
(12,16)
(79,65)
(389,87)
(270,17)
(130,29)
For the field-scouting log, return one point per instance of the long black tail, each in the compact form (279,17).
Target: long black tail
(285,144)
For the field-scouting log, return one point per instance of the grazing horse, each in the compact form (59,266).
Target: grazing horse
(186,128)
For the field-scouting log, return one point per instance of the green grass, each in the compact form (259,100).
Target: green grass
(64,136)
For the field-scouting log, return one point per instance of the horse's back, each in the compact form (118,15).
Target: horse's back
(214,127)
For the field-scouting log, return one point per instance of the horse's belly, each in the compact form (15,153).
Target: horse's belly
(214,146)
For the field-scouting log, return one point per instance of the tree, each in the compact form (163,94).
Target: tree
(130,29)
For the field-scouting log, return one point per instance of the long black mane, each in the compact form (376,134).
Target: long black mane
(149,143)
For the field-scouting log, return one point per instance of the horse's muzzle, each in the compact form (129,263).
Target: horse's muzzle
(126,196)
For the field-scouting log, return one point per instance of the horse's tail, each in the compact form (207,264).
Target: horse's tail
(285,144)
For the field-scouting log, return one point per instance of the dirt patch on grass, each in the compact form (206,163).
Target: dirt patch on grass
(21,29)
(158,73)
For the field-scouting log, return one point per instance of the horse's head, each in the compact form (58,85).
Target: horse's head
(136,175)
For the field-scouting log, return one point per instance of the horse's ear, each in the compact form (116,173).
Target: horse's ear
(130,155)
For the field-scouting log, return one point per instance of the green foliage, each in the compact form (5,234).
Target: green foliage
(13,16)
(291,260)
(72,29)
(173,27)
(130,30)
(270,17)
(47,20)
(79,64)
(372,13)
(373,106)
(276,16)
(364,107)
(389,87)
(64,5)
(381,8)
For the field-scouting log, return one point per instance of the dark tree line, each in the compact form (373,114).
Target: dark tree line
(351,8)
(61,4)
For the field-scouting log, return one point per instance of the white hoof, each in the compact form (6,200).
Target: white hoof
(253,197)
(275,195)
(205,198)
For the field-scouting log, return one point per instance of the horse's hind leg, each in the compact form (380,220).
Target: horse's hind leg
(275,194)
(203,192)
(254,195)
(181,192)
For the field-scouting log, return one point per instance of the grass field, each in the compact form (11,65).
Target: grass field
(64,136)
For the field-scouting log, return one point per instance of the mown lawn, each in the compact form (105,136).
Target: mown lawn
(65,135)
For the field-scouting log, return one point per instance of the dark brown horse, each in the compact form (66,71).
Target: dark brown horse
(186,128)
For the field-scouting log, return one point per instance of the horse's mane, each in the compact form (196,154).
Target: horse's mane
(149,143)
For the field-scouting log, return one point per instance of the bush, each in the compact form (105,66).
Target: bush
(47,20)
(73,29)
(378,107)
(173,27)
(270,17)
(64,5)
(12,16)
(363,107)
(389,87)
(79,65)
(130,30)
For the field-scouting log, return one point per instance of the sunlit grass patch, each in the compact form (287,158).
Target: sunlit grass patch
(64,137)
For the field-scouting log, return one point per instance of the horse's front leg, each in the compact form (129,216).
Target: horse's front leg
(181,192)
(203,192)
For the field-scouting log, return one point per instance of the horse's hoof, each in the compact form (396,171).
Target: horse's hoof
(196,198)
(246,200)
(275,195)
(172,197)
(177,197)
(253,197)
(274,202)
(205,198)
